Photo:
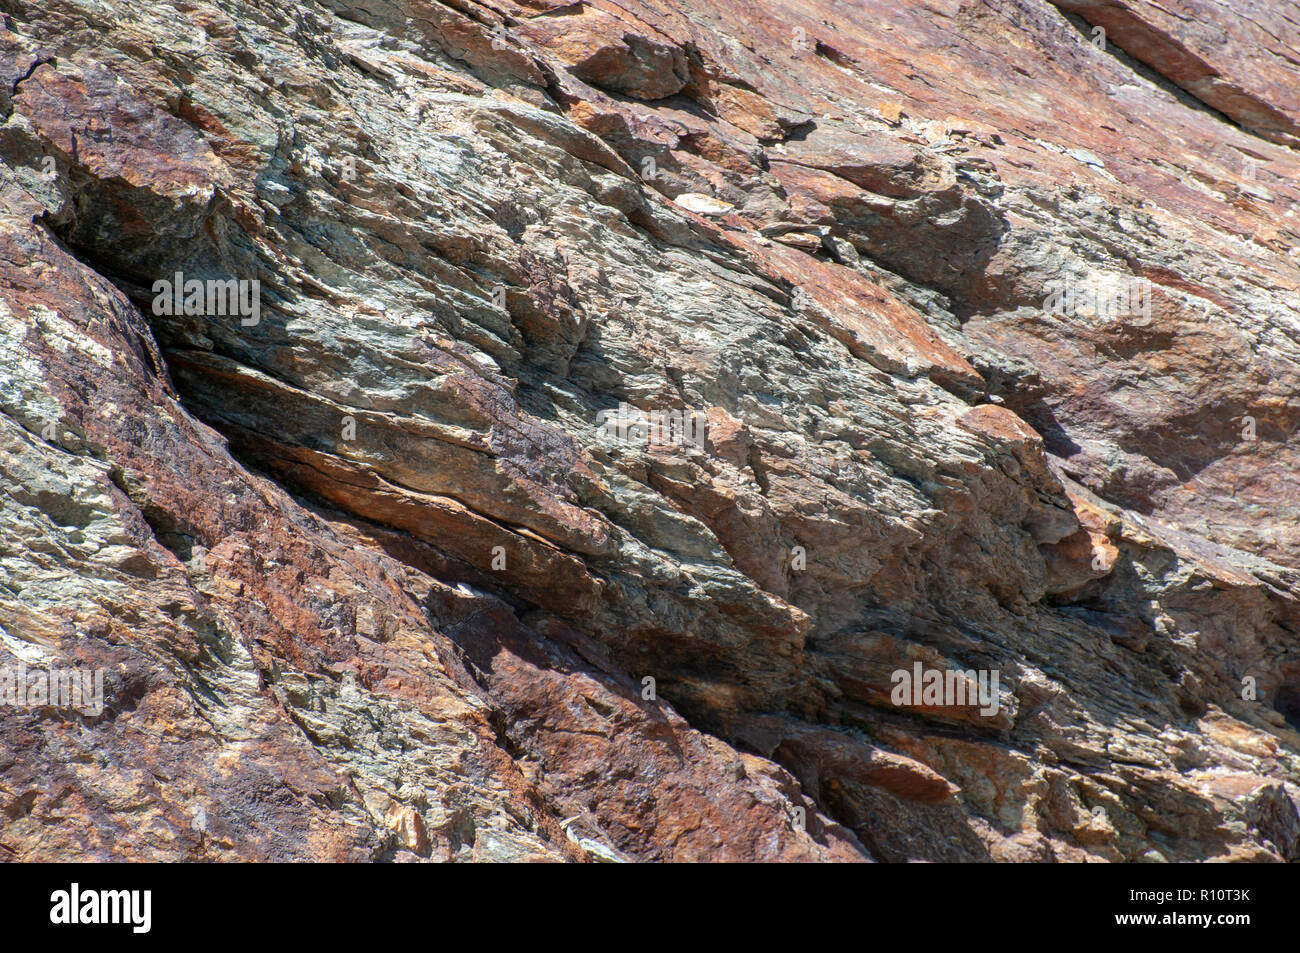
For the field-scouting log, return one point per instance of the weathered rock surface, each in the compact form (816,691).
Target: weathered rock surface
(369,579)
(1237,57)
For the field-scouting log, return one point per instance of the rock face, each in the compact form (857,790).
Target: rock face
(621,411)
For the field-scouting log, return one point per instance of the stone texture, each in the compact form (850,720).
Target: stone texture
(369,581)
(1238,58)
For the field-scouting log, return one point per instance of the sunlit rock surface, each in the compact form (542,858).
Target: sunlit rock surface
(371,575)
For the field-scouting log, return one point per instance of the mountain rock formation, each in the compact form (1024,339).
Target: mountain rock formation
(376,570)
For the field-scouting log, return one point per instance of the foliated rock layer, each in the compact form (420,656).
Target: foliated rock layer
(637,398)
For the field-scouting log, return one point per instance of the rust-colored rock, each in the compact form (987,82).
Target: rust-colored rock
(637,395)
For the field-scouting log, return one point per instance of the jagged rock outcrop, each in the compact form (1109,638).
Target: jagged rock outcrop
(368,577)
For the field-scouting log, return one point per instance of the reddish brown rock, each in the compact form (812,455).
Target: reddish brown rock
(1238,58)
(378,575)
